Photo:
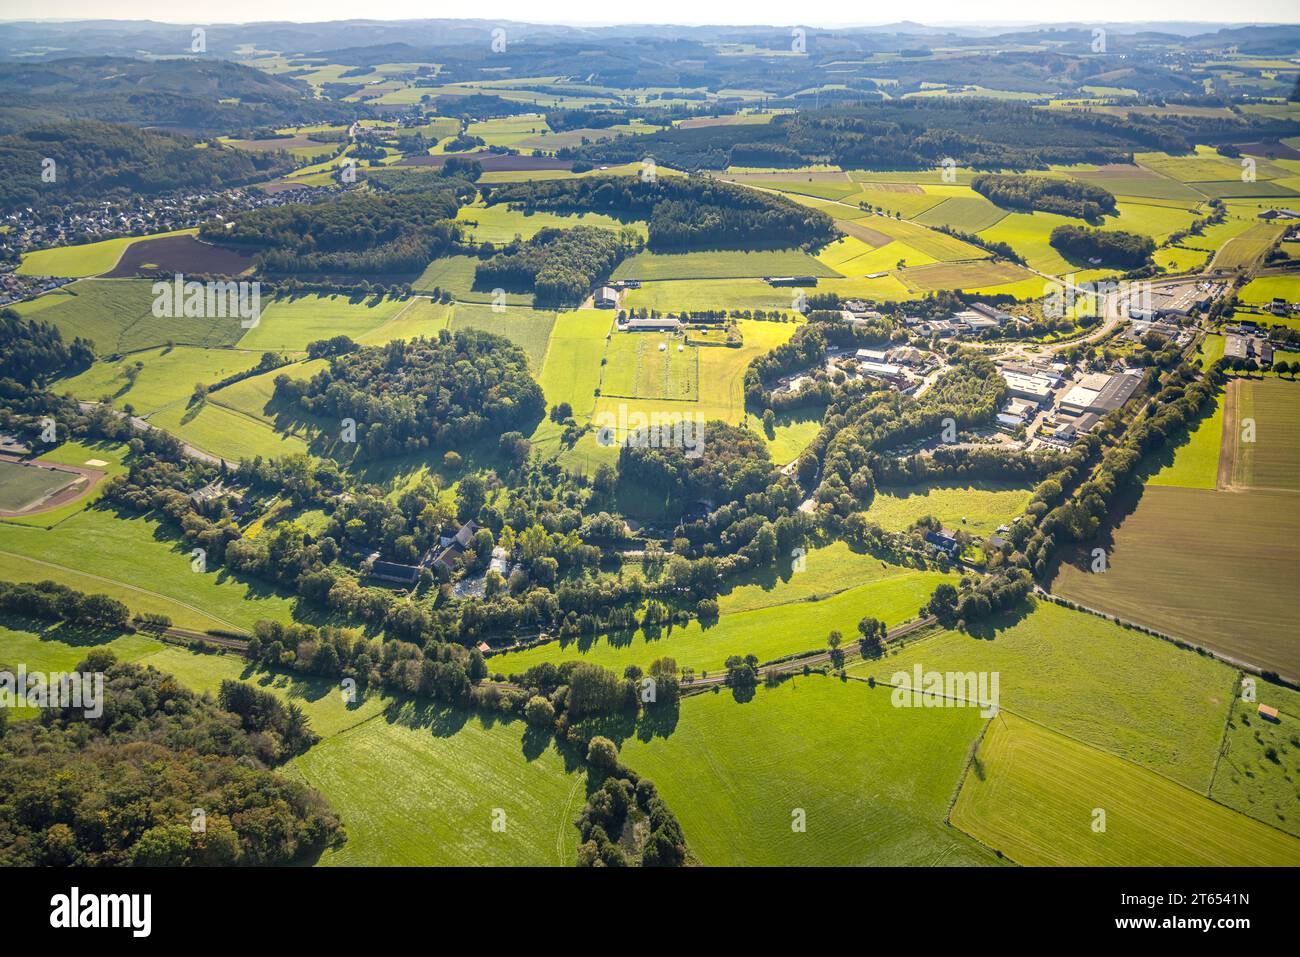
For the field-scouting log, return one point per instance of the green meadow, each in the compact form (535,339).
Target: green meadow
(96,550)
(721,264)
(419,785)
(116,315)
(166,376)
(1124,692)
(1035,795)
(1194,461)
(1260,762)
(291,323)
(500,224)
(978,508)
(870,783)
(529,329)
(795,619)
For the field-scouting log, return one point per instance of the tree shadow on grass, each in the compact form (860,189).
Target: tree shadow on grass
(989,628)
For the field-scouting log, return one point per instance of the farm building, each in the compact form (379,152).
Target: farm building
(395,572)
(454,546)
(945,539)
(606,297)
(1269,713)
(1248,347)
(790,280)
(662,324)
(881,370)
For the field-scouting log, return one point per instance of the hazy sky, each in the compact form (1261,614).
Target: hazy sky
(785,12)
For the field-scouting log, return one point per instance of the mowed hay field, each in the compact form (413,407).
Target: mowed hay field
(721,264)
(419,785)
(1213,562)
(873,781)
(1033,795)
(1272,460)
(1249,247)
(1215,568)
(1124,692)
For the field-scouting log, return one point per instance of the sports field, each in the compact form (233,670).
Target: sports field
(651,366)
(22,486)
(721,376)
(872,781)
(1034,795)
(1124,692)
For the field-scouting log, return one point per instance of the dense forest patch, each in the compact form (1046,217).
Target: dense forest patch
(409,395)
(1067,197)
(558,265)
(1112,247)
(120,788)
(355,233)
(683,213)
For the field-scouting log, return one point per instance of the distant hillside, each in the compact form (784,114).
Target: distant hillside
(100,160)
(198,95)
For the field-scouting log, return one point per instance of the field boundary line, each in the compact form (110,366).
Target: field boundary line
(1143,767)
(1223,742)
(122,584)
